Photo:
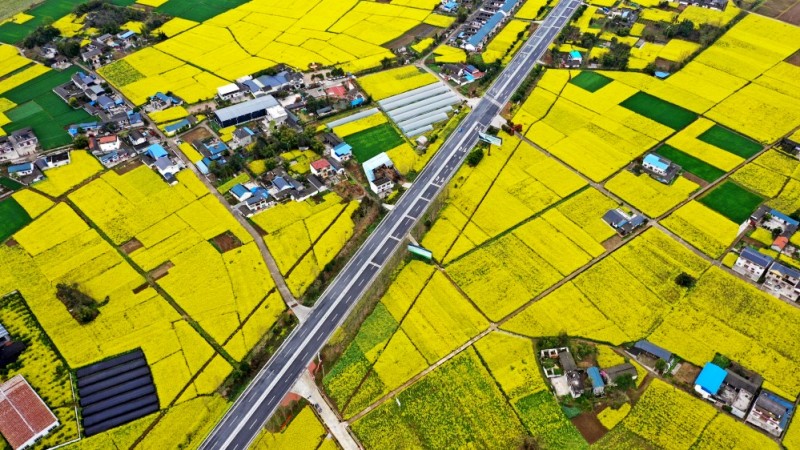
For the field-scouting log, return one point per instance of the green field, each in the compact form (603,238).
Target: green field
(12,218)
(198,10)
(8,183)
(693,165)
(590,81)
(370,142)
(47,11)
(44,111)
(730,141)
(659,110)
(732,201)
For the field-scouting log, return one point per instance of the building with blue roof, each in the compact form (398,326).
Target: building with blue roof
(476,41)
(782,281)
(109,158)
(509,6)
(450,6)
(342,152)
(659,168)
(624,223)
(20,170)
(598,385)
(216,148)
(576,56)
(240,192)
(710,380)
(126,35)
(177,127)
(771,413)
(783,218)
(647,348)
(752,264)
(259,200)
(156,151)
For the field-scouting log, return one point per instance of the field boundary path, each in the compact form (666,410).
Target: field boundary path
(244,420)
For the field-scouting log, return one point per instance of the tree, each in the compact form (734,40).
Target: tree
(475,157)
(625,382)
(661,366)
(80,142)
(685,280)
(463,15)
(41,36)
(83,308)
(70,49)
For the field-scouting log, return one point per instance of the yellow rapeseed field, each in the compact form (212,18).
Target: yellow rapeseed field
(62,179)
(304,432)
(705,229)
(610,417)
(360,125)
(33,203)
(512,363)
(395,81)
(651,197)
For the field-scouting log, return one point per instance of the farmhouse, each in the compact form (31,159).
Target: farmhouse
(26,417)
(105,144)
(179,126)
(242,137)
(137,138)
(260,200)
(562,371)
(342,152)
(660,168)
(380,174)
(477,40)
(18,144)
(158,158)
(648,353)
(613,373)
(574,59)
(245,112)
(53,161)
(230,92)
(782,282)
(20,170)
(771,413)
(752,264)
(322,168)
(240,192)
(623,222)
(9,350)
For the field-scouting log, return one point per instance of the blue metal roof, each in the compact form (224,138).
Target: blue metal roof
(661,75)
(20,168)
(281,184)
(105,158)
(176,126)
(784,403)
(217,148)
(574,54)
(594,375)
(711,378)
(784,270)
(509,5)
(784,217)
(487,28)
(657,161)
(653,349)
(126,34)
(343,149)
(156,151)
(239,190)
(755,257)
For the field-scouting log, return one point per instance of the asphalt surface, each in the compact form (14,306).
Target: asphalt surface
(244,420)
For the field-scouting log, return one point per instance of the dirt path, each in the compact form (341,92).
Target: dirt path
(308,389)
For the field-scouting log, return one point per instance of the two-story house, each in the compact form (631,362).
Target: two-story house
(752,264)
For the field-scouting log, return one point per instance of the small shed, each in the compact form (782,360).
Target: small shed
(598,385)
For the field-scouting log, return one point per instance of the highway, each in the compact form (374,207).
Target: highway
(244,420)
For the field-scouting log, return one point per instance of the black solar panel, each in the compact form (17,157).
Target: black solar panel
(115,392)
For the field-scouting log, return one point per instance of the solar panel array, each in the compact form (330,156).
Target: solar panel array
(116,391)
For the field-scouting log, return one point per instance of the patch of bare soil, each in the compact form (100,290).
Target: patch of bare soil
(162,270)
(794,59)
(131,246)
(197,134)
(687,374)
(11,243)
(695,179)
(122,169)
(589,426)
(226,242)
(612,242)
(792,15)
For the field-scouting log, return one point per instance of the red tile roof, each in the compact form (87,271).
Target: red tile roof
(23,415)
(320,164)
(108,139)
(337,91)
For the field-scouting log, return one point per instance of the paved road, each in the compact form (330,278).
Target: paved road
(245,418)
